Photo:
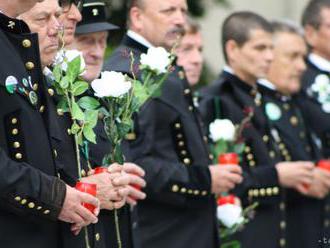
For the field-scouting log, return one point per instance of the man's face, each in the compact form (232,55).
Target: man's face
(25,5)
(288,64)
(161,22)
(318,38)
(92,46)
(252,60)
(190,56)
(69,19)
(43,19)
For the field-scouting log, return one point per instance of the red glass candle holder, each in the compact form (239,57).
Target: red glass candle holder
(228,158)
(89,188)
(229,199)
(324,164)
(99,170)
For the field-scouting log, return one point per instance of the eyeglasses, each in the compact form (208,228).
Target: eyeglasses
(66,4)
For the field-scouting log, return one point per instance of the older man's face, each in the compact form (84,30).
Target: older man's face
(43,19)
(26,5)
(161,22)
(93,46)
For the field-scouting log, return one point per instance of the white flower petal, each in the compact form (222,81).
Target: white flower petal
(230,214)
(222,129)
(157,59)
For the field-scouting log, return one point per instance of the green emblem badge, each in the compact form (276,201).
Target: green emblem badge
(33,97)
(11,84)
(273,111)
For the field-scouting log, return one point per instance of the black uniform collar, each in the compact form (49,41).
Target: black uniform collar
(312,65)
(11,25)
(128,41)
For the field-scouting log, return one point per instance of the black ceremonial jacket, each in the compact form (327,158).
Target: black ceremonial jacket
(31,197)
(227,98)
(168,143)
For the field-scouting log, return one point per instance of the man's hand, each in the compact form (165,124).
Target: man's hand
(320,186)
(225,177)
(295,174)
(73,212)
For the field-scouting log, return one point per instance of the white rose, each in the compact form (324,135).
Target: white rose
(222,129)
(65,56)
(111,84)
(230,214)
(321,84)
(157,59)
(326,107)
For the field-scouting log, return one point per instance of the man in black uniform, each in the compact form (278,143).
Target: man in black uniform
(295,140)
(29,195)
(247,47)
(168,140)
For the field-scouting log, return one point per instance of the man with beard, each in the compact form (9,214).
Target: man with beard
(247,47)
(168,141)
(32,197)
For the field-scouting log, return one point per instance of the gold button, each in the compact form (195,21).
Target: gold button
(42,109)
(282,206)
(16,145)
(35,87)
(29,65)
(97,237)
(272,154)
(46,211)
(177,125)
(51,92)
(250,156)
(69,131)
(23,201)
(39,208)
(179,136)
(269,191)
(250,193)
(302,135)
(286,106)
(181,143)
(256,193)
(186,161)
(204,193)
(276,191)
(282,225)
(183,152)
(26,43)
(211,157)
(205,139)
(326,223)
(281,146)
(18,155)
(181,75)
(252,163)
(83,173)
(327,208)
(247,149)
(14,131)
(187,91)
(183,190)
(130,136)
(294,121)
(55,153)
(31,205)
(308,149)
(282,242)
(14,121)
(60,112)
(285,152)
(191,108)
(262,192)
(196,192)
(175,188)
(190,191)
(17,198)
(265,138)
(287,158)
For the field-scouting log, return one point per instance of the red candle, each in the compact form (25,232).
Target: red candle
(229,199)
(324,164)
(99,170)
(89,188)
(228,158)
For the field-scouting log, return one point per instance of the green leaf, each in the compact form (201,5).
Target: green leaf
(57,73)
(124,127)
(88,103)
(140,92)
(64,83)
(79,87)
(91,117)
(75,128)
(221,147)
(73,69)
(119,157)
(80,139)
(63,105)
(89,134)
(77,113)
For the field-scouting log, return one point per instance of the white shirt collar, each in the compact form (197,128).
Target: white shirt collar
(228,69)
(139,38)
(319,62)
(265,82)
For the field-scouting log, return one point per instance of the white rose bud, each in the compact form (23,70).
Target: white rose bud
(65,56)
(230,214)
(111,84)
(222,129)
(157,59)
